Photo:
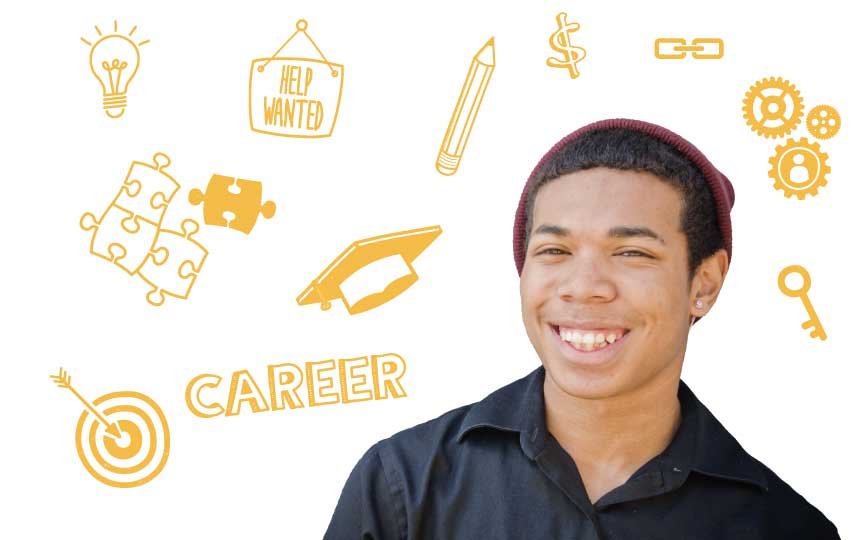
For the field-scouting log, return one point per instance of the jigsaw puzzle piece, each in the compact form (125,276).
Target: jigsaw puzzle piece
(121,237)
(173,264)
(249,206)
(216,200)
(148,189)
(235,204)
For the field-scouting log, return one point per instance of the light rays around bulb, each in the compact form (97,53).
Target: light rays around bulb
(99,33)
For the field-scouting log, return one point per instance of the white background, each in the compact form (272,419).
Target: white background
(792,401)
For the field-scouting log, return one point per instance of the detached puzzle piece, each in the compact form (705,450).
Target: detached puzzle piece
(148,189)
(231,203)
(173,264)
(121,237)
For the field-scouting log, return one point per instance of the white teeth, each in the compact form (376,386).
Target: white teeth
(588,341)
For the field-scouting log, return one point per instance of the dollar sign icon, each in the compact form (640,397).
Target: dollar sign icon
(560,41)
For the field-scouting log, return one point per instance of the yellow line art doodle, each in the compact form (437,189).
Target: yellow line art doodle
(801,292)
(294,96)
(561,41)
(114,61)
(326,382)
(122,438)
(799,168)
(699,48)
(234,203)
(465,112)
(173,264)
(129,233)
(125,232)
(773,107)
(823,121)
(370,272)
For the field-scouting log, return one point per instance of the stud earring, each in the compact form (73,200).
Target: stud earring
(699,304)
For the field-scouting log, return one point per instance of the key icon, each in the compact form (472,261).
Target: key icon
(818,330)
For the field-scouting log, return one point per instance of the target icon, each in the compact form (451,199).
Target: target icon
(122,438)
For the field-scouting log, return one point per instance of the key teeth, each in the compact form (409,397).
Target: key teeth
(817,331)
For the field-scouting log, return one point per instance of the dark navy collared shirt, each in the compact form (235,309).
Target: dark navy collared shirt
(492,471)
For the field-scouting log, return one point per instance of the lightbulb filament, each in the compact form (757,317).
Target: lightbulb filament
(118,66)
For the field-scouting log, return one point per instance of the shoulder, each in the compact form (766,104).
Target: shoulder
(439,444)
(782,510)
(378,498)
(790,512)
(414,446)
(418,444)
(499,412)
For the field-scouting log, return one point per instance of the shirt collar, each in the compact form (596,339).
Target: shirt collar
(701,443)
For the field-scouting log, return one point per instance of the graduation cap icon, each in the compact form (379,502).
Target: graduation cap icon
(370,272)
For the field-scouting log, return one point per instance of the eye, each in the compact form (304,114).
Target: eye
(551,251)
(637,253)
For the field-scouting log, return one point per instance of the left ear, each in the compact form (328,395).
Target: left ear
(707,282)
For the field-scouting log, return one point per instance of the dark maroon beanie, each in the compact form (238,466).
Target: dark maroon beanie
(721,188)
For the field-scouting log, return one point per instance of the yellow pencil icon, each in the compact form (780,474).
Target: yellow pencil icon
(466,109)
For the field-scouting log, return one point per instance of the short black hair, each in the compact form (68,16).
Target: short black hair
(630,150)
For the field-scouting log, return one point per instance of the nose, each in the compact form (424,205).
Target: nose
(586,278)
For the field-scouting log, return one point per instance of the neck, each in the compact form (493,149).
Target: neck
(615,435)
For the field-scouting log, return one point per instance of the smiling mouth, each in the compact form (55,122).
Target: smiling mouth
(589,340)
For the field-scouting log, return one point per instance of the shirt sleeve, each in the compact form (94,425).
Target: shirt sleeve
(366,509)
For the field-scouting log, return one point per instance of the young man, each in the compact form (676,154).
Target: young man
(622,240)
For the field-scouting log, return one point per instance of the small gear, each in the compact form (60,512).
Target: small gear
(773,107)
(823,121)
(799,168)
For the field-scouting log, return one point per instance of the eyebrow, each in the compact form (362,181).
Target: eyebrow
(615,232)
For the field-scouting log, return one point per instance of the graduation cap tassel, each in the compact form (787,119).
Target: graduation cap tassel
(325,304)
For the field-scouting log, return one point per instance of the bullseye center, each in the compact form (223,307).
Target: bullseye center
(129,442)
(124,440)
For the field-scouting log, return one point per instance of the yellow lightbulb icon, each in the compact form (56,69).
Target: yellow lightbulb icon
(114,61)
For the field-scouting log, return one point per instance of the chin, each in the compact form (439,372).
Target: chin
(583,385)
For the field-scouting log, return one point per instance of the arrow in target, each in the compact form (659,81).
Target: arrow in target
(64,380)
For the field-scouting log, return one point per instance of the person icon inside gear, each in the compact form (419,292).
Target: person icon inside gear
(799,168)
(799,173)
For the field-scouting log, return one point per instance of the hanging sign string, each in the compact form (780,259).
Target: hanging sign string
(301,27)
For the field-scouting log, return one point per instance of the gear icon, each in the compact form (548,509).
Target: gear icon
(773,107)
(823,121)
(799,168)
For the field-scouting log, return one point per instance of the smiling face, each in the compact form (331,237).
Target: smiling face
(606,263)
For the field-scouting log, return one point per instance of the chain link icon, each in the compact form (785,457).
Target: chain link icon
(677,48)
